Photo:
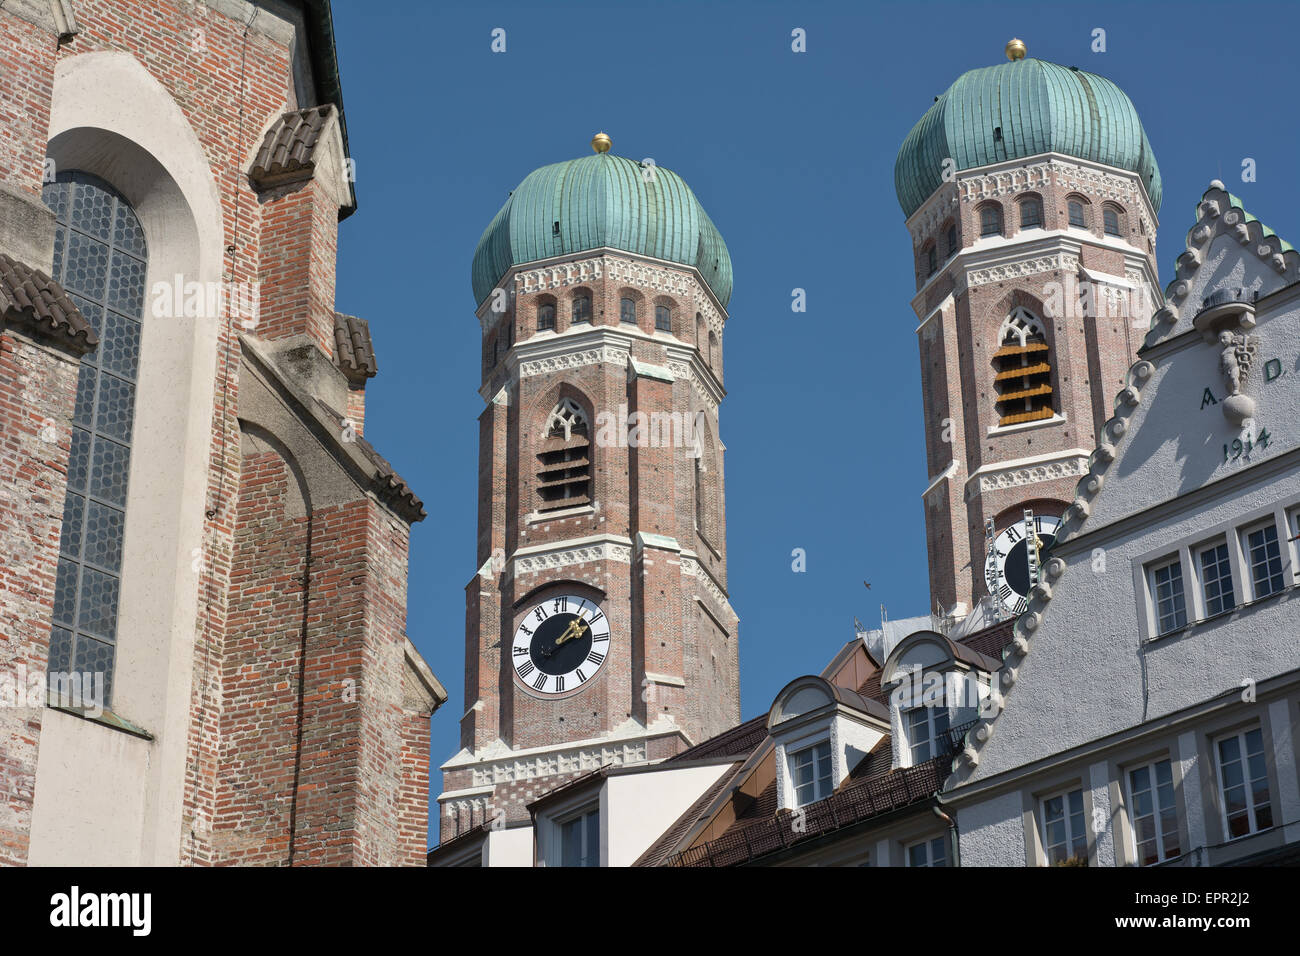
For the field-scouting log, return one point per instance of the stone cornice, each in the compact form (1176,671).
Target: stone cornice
(625,744)
(549,557)
(1016,474)
(656,275)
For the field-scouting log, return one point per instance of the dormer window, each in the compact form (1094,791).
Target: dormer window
(810,771)
(927,732)
(580,839)
(821,732)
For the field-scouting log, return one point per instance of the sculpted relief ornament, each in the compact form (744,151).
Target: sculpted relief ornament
(1235,358)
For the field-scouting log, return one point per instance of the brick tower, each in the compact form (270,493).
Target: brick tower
(1031,195)
(598,627)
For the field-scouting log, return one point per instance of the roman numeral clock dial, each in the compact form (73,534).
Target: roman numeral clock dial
(1006,570)
(560,645)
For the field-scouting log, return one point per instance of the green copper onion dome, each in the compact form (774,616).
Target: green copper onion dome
(1019,109)
(597,201)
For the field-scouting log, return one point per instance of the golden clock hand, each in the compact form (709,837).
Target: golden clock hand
(574,630)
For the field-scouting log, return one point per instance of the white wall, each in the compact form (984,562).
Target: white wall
(636,808)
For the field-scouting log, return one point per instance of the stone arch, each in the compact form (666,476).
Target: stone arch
(111,118)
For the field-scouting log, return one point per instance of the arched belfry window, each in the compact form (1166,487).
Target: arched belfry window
(564,470)
(1022,370)
(101,259)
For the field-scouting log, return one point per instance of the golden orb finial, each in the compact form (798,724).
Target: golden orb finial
(1015,49)
(601,143)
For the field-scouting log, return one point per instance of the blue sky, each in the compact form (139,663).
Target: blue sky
(792,155)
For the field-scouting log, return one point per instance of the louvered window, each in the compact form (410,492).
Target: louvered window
(1022,370)
(101,259)
(564,469)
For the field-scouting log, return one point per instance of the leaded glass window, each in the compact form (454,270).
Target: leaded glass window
(100,258)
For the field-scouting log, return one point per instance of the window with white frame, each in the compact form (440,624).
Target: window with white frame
(1264,559)
(1243,783)
(1065,834)
(929,853)
(580,839)
(810,774)
(1153,813)
(1216,579)
(1166,582)
(926,729)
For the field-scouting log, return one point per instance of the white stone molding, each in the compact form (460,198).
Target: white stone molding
(687,371)
(691,565)
(568,360)
(1027,472)
(551,557)
(1017,269)
(625,744)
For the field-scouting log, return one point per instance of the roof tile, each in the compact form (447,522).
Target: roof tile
(31,297)
(287,150)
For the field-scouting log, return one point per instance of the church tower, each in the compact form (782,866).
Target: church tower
(1031,195)
(598,627)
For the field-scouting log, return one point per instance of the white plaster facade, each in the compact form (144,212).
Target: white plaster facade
(1091,687)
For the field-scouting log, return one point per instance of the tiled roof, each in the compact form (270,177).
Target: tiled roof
(990,640)
(739,741)
(354,353)
(761,830)
(288,147)
(667,842)
(32,298)
(875,764)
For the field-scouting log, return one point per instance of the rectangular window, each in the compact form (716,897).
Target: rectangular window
(545,318)
(581,310)
(1153,813)
(627,311)
(1264,558)
(663,318)
(580,840)
(932,260)
(926,729)
(1243,783)
(990,221)
(1031,214)
(952,240)
(810,771)
(929,853)
(1216,580)
(1167,591)
(1076,215)
(1110,222)
(1065,837)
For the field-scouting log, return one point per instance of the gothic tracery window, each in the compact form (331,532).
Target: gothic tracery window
(1022,370)
(100,257)
(564,469)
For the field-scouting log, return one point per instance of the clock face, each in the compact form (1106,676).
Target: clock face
(1006,570)
(560,645)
